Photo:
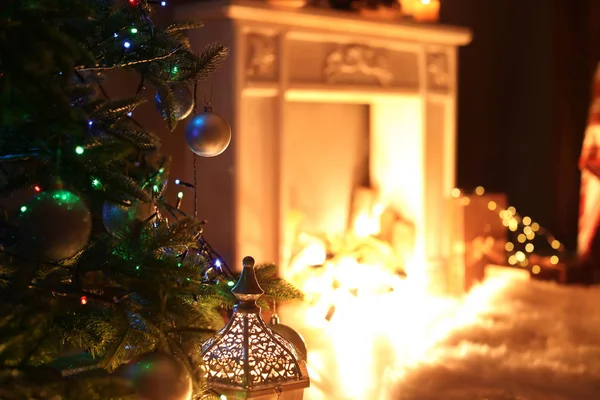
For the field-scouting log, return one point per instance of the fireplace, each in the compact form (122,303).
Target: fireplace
(321,104)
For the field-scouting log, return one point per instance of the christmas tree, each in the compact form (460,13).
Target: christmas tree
(105,288)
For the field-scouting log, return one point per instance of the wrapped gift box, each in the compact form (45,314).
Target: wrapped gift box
(479,238)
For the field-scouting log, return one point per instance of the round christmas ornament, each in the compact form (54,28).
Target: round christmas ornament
(159,376)
(184,102)
(208,134)
(54,225)
(118,216)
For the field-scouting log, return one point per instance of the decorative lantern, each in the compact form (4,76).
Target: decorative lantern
(247,359)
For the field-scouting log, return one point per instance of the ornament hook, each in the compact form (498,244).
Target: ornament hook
(207,102)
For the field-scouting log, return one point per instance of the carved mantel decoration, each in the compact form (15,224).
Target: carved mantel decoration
(358,60)
(262,57)
(438,74)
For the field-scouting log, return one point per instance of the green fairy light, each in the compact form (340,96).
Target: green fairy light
(79,150)
(61,198)
(62,195)
(137,267)
(179,264)
(96,184)
(230,283)
(155,188)
(180,195)
(160,171)
(175,69)
(134,30)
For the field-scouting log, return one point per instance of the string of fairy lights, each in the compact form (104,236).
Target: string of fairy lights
(523,230)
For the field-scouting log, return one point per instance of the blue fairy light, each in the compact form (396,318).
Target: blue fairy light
(163,3)
(127,44)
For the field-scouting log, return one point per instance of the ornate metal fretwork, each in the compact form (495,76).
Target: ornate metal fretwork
(358,60)
(269,361)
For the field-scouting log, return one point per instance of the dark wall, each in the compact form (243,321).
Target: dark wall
(524,92)
(576,53)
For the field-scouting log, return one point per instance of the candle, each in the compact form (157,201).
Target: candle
(288,3)
(422,10)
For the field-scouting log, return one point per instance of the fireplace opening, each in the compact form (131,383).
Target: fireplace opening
(351,180)
(325,159)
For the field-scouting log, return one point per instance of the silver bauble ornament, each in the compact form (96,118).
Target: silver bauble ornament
(184,102)
(53,226)
(159,376)
(208,134)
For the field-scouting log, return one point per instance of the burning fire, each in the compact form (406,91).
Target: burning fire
(365,322)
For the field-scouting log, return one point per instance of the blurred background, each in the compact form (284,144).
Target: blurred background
(525,89)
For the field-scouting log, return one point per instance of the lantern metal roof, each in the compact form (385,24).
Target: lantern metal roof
(247,358)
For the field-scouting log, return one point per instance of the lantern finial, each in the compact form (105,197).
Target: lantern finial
(247,290)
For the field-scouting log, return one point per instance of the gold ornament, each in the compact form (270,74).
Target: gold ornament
(39,218)
(159,376)
(288,333)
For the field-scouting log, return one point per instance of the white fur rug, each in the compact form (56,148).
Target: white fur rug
(541,341)
(516,340)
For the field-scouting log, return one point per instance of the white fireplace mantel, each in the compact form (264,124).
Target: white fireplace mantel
(328,20)
(406,74)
